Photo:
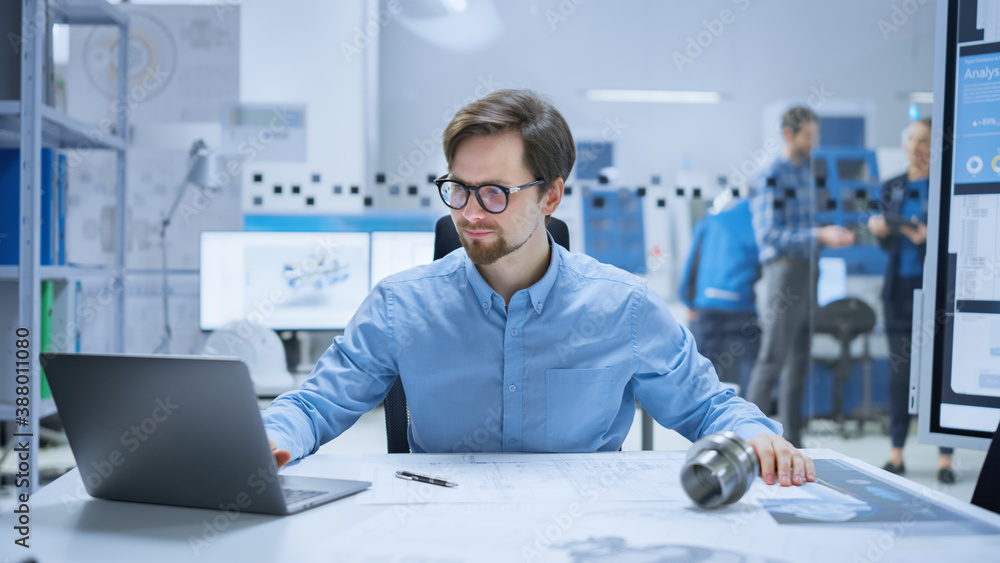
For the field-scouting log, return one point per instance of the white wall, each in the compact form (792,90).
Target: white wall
(294,52)
(300,52)
(779,49)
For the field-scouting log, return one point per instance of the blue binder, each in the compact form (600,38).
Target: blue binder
(48,201)
(60,207)
(10,207)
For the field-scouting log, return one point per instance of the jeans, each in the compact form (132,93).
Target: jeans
(899,322)
(790,289)
(731,340)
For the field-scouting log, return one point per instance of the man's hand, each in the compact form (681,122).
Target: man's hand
(917,233)
(878,226)
(835,236)
(281,457)
(778,454)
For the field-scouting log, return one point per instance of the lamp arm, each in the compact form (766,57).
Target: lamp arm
(164,346)
(173,208)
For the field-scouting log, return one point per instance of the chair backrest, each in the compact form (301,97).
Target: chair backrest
(397,416)
(446,236)
(987,493)
(845,318)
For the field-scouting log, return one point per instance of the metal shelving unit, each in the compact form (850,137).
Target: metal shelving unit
(12,273)
(30,124)
(58,129)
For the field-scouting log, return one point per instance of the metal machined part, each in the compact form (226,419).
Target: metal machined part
(719,470)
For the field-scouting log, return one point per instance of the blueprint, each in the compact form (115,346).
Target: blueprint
(847,496)
(630,507)
(183,64)
(526,478)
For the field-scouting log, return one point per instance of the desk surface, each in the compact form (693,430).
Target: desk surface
(904,522)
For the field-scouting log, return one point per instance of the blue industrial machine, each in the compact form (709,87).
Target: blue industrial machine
(847,192)
(614,228)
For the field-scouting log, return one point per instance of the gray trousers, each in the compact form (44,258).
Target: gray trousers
(784,315)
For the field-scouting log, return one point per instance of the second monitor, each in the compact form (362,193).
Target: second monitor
(283,280)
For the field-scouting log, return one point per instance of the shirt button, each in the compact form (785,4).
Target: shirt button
(512,441)
(539,307)
(485,304)
(512,388)
(513,332)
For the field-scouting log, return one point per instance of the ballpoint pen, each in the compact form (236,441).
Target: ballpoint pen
(425,479)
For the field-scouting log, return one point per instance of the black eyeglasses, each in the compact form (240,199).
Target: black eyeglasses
(492,197)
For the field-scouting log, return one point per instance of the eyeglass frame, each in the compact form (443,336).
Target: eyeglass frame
(506,190)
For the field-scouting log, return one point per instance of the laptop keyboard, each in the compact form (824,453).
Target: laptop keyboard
(293,496)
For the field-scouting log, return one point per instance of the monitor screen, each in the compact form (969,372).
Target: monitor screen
(832,284)
(959,391)
(393,252)
(283,280)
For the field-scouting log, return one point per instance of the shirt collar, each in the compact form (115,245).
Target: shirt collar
(537,293)
(804,164)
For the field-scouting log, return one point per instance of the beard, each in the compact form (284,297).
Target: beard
(485,253)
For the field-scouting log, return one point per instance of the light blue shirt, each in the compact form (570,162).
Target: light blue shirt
(556,371)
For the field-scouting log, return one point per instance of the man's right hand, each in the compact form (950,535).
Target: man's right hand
(281,457)
(878,226)
(835,236)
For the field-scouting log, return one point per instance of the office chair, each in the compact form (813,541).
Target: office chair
(446,236)
(396,416)
(845,320)
(987,492)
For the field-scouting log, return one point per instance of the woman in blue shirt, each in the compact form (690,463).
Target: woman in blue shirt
(905,197)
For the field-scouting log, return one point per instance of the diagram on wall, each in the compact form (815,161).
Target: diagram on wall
(154,177)
(183,63)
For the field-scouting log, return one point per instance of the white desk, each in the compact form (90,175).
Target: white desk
(68,525)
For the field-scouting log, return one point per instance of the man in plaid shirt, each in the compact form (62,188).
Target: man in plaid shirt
(784,224)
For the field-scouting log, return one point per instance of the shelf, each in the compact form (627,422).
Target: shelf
(57,129)
(87,12)
(7,410)
(10,273)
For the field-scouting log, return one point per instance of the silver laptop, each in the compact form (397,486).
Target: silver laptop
(176,430)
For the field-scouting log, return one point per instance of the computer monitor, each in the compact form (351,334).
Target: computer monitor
(393,252)
(832,285)
(283,280)
(957,325)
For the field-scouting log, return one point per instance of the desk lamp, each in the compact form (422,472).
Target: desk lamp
(201,174)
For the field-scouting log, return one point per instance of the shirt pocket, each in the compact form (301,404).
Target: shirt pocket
(579,403)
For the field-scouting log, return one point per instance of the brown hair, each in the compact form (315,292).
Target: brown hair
(549,151)
(795,117)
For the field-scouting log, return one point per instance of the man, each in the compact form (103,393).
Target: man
(512,343)
(784,206)
(905,200)
(717,287)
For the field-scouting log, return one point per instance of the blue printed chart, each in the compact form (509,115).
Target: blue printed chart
(977,120)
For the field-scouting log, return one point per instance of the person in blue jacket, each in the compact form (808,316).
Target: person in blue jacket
(905,198)
(717,287)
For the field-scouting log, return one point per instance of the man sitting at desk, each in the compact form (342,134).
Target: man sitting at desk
(512,343)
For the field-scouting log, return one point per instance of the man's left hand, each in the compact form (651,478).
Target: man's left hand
(780,462)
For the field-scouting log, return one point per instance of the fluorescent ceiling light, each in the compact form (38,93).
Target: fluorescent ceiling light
(455,5)
(654,96)
(922,97)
